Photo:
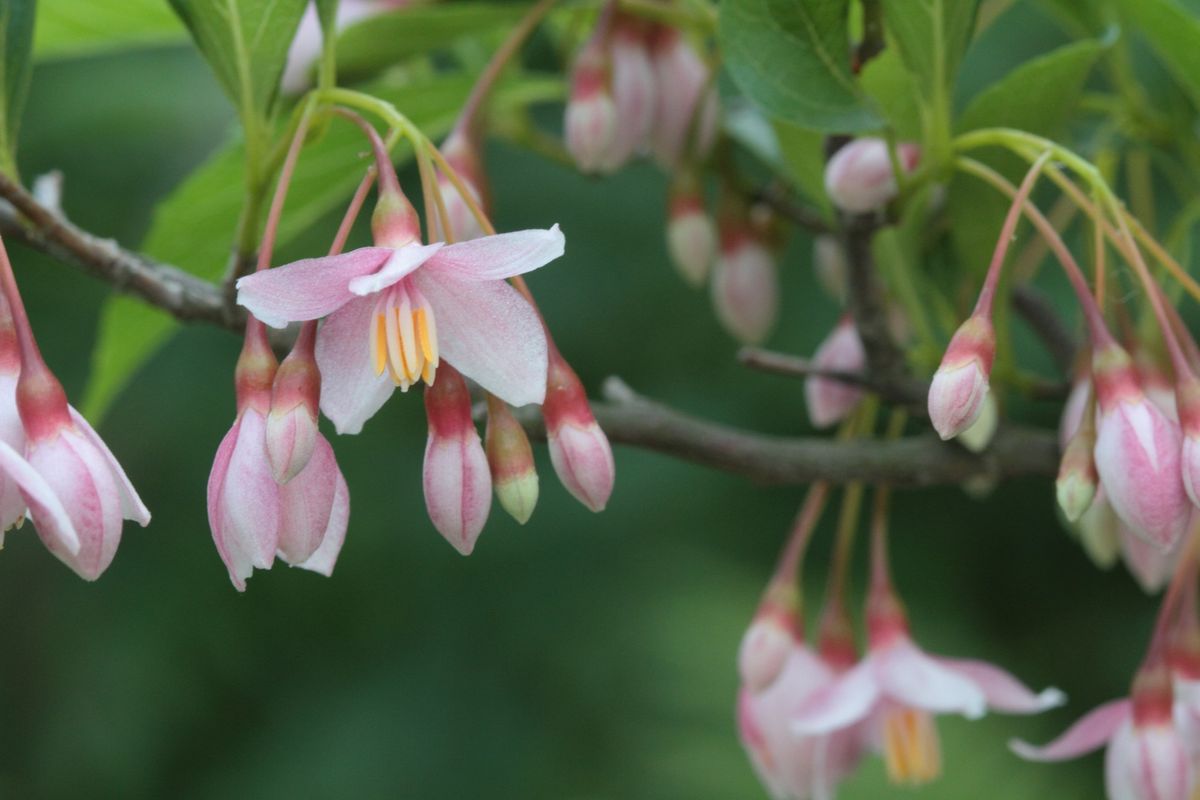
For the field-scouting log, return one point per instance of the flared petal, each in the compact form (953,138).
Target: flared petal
(844,702)
(400,263)
(244,501)
(504,255)
(490,333)
(351,390)
(1089,733)
(49,516)
(307,289)
(306,504)
(912,678)
(1003,691)
(326,556)
(1147,763)
(132,506)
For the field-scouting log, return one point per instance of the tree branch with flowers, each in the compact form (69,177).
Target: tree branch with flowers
(836,118)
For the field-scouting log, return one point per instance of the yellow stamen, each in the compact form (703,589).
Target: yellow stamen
(379,346)
(408,339)
(399,370)
(910,746)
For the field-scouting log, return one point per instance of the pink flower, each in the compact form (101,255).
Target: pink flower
(12,433)
(1150,566)
(396,309)
(961,381)
(591,116)
(745,285)
(306,45)
(830,400)
(859,178)
(1138,453)
(457,480)
(633,88)
(685,90)
(579,450)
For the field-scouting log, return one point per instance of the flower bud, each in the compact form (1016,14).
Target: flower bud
(633,88)
(829,262)
(1077,403)
(691,235)
(684,88)
(463,155)
(579,450)
(745,286)
(12,505)
(956,395)
(1149,565)
(860,178)
(591,117)
(1075,488)
(979,433)
(510,458)
(769,640)
(830,400)
(1187,393)
(1098,530)
(457,482)
(292,422)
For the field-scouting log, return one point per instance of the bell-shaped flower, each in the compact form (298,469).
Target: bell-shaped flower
(398,308)
(684,90)
(691,234)
(291,424)
(1137,453)
(457,480)
(590,126)
(829,400)
(860,176)
(579,451)
(961,381)
(745,285)
(1146,758)
(772,634)
(510,458)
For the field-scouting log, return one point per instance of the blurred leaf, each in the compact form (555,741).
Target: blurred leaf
(1080,17)
(803,153)
(194,226)
(372,44)
(327,14)
(246,43)
(16,37)
(1038,96)
(792,58)
(1174,34)
(931,36)
(894,89)
(67,28)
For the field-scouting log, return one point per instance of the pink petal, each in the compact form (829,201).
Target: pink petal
(326,556)
(401,262)
(307,289)
(131,505)
(1002,690)
(490,333)
(583,460)
(844,702)
(306,504)
(912,678)
(1147,763)
(351,390)
(1089,733)
(49,516)
(501,256)
(244,501)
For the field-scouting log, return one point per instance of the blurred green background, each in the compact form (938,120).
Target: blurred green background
(582,656)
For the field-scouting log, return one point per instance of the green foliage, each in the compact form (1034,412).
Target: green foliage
(16,39)
(792,58)
(69,28)
(1174,33)
(931,36)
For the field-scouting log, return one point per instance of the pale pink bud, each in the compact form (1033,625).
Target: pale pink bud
(1138,453)
(691,234)
(306,44)
(633,88)
(458,484)
(314,509)
(579,450)
(510,458)
(1073,410)
(830,400)
(829,261)
(860,178)
(769,640)
(745,286)
(463,155)
(979,433)
(1099,533)
(591,116)
(291,427)
(1149,565)
(683,81)
(961,381)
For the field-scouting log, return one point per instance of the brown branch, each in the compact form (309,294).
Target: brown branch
(911,393)
(778,200)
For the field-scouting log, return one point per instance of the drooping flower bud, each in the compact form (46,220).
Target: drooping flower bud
(1187,394)
(830,400)
(1075,488)
(685,97)
(769,640)
(979,433)
(579,450)
(860,177)
(458,483)
(960,384)
(633,88)
(1137,452)
(691,234)
(591,117)
(1149,565)
(463,155)
(829,263)
(291,428)
(745,285)
(510,458)
(1098,530)
(12,505)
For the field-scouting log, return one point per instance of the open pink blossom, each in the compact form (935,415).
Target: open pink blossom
(396,310)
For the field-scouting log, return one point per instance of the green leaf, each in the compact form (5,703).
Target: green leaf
(327,15)
(16,38)
(803,154)
(1037,96)
(1174,34)
(372,44)
(69,28)
(931,36)
(895,91)
(194,227)
(246,43)
(792,57)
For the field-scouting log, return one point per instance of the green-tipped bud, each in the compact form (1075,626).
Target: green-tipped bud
(1077,479)
(510,457)
(979,433)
